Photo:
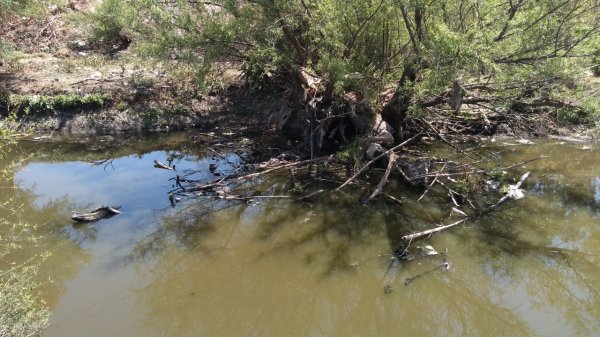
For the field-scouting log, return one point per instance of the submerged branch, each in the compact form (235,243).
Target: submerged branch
(386,153)
(509,194)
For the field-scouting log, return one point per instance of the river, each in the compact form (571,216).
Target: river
(279,267)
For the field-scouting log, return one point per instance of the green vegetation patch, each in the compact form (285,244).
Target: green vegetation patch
(158,116)
(22,312)
(25,105)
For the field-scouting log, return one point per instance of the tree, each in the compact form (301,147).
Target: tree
(433,54)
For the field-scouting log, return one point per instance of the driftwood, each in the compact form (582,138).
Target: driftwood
(391,162)
(102,212)
(509,194)
(163,166)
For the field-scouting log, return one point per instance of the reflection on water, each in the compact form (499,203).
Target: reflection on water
(278,267)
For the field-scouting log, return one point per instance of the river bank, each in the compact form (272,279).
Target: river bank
(56,77)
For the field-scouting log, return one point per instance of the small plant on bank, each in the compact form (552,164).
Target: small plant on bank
(149,117)
(122,106)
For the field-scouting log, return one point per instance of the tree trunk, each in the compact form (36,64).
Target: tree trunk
(395,111)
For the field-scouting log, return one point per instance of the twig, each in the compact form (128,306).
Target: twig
(310,195)
(85,80)
(104,162)
(428,232)
(444,139)
(298,163)
(429,187)
(218,182)
(438,174)
(393,198)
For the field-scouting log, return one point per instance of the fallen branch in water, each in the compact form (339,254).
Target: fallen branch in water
(294,164)
(391,162)
(509,194)
(429,232)
(430,185)
(310,195)
(453,174)
(386,153)
(163,166)
(219,182)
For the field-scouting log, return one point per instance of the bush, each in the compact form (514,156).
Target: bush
(109,22)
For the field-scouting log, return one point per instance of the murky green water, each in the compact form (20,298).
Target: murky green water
(277,267)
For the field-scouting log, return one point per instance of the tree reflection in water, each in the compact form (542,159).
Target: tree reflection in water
(21,205)
(281,266)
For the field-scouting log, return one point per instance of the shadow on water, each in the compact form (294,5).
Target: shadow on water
(271,267)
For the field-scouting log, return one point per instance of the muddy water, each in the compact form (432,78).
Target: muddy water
(275,267)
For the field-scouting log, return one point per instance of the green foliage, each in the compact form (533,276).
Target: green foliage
(591,107)
(122,106)
(23,7)
(22,313)
(109,22)
(8,57)
(16,104)
(149,116)
(467,185)
(568,115)
(422,47)
(258,69)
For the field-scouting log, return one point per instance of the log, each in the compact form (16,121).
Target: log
(102,212)
(163,166)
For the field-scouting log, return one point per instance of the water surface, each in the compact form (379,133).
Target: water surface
(278,267)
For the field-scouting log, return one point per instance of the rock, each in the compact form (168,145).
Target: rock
(382,132)
(374,150)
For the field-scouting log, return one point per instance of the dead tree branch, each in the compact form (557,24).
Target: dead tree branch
(386,153)
(509,194)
